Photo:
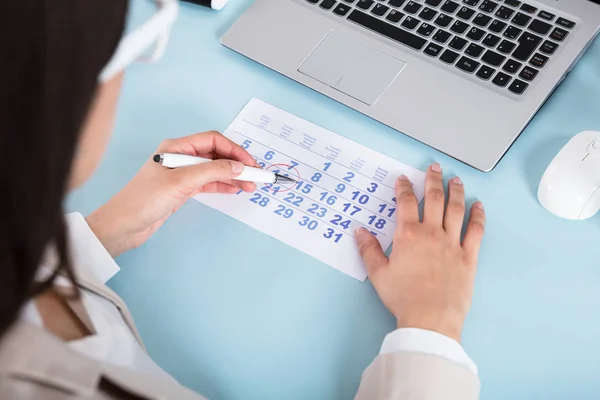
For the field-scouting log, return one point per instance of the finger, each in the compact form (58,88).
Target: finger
(370,250)
(455,211)
(190,179)
(208,143)
(475,230)
(245,186)
(219,187)
(406,202)
(433,212)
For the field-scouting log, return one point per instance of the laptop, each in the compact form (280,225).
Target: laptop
(462,76)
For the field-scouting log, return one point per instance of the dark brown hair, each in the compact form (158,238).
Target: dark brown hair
(51,53)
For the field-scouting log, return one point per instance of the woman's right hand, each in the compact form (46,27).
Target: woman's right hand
(428,280)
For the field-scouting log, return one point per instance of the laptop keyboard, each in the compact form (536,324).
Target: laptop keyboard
(504,42)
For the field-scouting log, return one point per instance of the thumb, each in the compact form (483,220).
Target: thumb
(370,250)
(196,176)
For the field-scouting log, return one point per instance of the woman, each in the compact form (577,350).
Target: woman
(63,333)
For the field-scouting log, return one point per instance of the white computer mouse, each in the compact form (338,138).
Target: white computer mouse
(570,186)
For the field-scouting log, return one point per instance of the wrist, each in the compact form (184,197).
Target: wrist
(449,327)
(107,232)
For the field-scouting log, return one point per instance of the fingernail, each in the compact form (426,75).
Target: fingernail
(456,180)
(479,205)
(237,167)
(360,233)
(401,178)
(436,167)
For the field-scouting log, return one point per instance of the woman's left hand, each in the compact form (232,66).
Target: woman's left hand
(156,192)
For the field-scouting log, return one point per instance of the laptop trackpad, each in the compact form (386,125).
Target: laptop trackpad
(352,67)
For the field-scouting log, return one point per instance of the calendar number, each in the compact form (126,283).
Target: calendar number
(310,224)
(246,144)
(269,155)
(293,164)
(274,189)
(326,166)
(316,177)
(286,213)
(349,176)
(293,199)
(362,199)
(330,200)
(355,209)
(306,187)
(340,188)
(317,210)
(260,200)
(372,188)
(339,220)
(390,210)
(380,224)
(331,234)
(394,200)
(262,164)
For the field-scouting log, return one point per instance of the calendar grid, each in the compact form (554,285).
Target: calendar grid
(316,169)
(314,152)
(327,206)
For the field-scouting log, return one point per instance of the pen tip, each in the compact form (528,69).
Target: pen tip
(157,158)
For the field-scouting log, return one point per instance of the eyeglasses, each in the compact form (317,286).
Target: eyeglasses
(152,35)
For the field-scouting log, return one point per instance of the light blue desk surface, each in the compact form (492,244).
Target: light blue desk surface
(235,314)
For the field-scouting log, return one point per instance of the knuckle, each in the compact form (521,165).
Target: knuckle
(435,194)
(366,246)
(456,207)
(477,227)
(406,197)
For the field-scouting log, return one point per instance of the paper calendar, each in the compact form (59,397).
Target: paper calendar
(341,187)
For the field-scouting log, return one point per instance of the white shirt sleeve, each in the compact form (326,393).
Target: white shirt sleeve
(427,342)
(87,250)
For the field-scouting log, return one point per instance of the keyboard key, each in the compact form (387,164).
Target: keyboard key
(467,65)
(365,4)
(528,43)
(443,20)
(491,40)
(493,58)
(459,27)
(512,32)
(565,23)
(521,19)
(548,47)
(506,47)
(380,9)
(450,6)
(482,20)
(412,7)
(539,26)
(546,15)
(497,26)
(433,50)
(471,2)
(396,3)
(488,6)
(512,66)
(518,87)
(313,1)
(327,4)
(410,22)
(538,60)
(475,34)
(441,36)
(394,16)
(528,9)
(341,9)
(485,72)
(433,3)
(504,12)
(501,79)
(528,74)
(559,34)
(474,50)
(513,3)
(425,29)
(387,30)
(458,43)
(465,13)
(449,56)
(427,14)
